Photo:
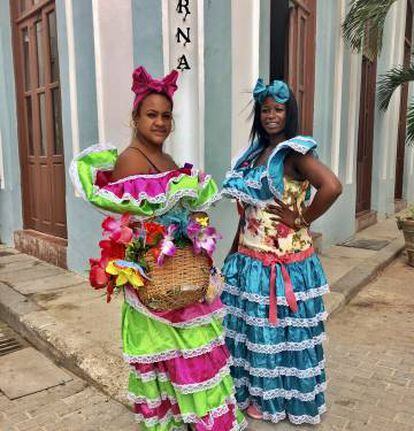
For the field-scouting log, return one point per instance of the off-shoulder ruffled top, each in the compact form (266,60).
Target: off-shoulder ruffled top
(256,186)
(144,195)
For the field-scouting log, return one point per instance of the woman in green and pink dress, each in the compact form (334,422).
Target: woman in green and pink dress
(179,363)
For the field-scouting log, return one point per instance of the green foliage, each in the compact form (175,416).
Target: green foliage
(363,27)
(390,81)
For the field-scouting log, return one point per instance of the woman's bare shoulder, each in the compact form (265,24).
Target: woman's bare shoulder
(129,163)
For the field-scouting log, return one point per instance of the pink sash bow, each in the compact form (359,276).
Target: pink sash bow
(274,261)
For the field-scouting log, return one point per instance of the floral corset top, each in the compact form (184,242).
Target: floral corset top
(261,233)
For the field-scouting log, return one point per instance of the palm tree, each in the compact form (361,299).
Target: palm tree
(363,30)
(363,27)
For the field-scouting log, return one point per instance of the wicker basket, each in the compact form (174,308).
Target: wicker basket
(182,280)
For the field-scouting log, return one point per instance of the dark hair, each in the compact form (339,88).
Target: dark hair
(292,120)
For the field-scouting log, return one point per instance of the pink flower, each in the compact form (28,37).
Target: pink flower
(119,230)
(202,238)
(167,246)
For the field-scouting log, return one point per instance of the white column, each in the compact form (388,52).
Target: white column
(73,94)
(338,88)
(183,45)
(2,179)
(245,21)
(353,116)
(389,122)
(112,21)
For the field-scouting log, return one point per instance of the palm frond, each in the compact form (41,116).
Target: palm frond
(363,27)
(410,123)
(390,81)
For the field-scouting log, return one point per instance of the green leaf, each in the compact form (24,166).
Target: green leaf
(410,124)
(363,27)
(390,81)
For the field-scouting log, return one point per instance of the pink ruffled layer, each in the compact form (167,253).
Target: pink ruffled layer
(139,185)
(189,371)
(216,421)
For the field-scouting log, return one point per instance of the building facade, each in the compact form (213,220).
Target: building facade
(65,78)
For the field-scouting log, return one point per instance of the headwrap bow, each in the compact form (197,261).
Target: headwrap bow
(143,84)
(277,89)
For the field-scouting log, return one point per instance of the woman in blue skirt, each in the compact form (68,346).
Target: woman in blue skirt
(274,279)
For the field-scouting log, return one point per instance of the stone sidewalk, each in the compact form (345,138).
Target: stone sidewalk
(65,318)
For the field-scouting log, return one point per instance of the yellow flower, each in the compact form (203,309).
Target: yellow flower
(202,220)
(124,275)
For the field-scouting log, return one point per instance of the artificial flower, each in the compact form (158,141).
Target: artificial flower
(203,238)
(124,274)
(98,277)
(112,250)
(202,220)
(167,246)
(154,232)
(119,230)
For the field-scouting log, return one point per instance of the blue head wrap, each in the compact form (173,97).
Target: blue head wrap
(277,89)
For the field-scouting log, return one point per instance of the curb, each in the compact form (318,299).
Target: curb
(17,310)
(344,289)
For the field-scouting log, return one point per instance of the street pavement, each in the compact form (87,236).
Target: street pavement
(45,397)
(370,352)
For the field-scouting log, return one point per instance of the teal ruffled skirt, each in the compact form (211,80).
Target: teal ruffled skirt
(278,368)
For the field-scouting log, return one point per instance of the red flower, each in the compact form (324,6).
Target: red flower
(97,275)
(154,232)
(119,229)
(111,250)
(283,231)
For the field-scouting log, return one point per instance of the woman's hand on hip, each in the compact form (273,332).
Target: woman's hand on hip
(281,213)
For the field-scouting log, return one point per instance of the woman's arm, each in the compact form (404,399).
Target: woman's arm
(325,182)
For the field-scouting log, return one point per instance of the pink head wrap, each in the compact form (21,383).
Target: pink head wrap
(143,84)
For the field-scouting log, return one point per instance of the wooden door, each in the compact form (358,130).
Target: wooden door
(39,115)
(365,135)
(292,52)
(402,125)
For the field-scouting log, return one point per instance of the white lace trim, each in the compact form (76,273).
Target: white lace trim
(306,322)
(132,299)
(202,386)
(169,354)
(280,371)
(281,300)
(184,388)
(277,417)
(150,422)
(271,349)
(154,403)
(150,375)
(187,417)
(287,394)
(234,174)
(237,194)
